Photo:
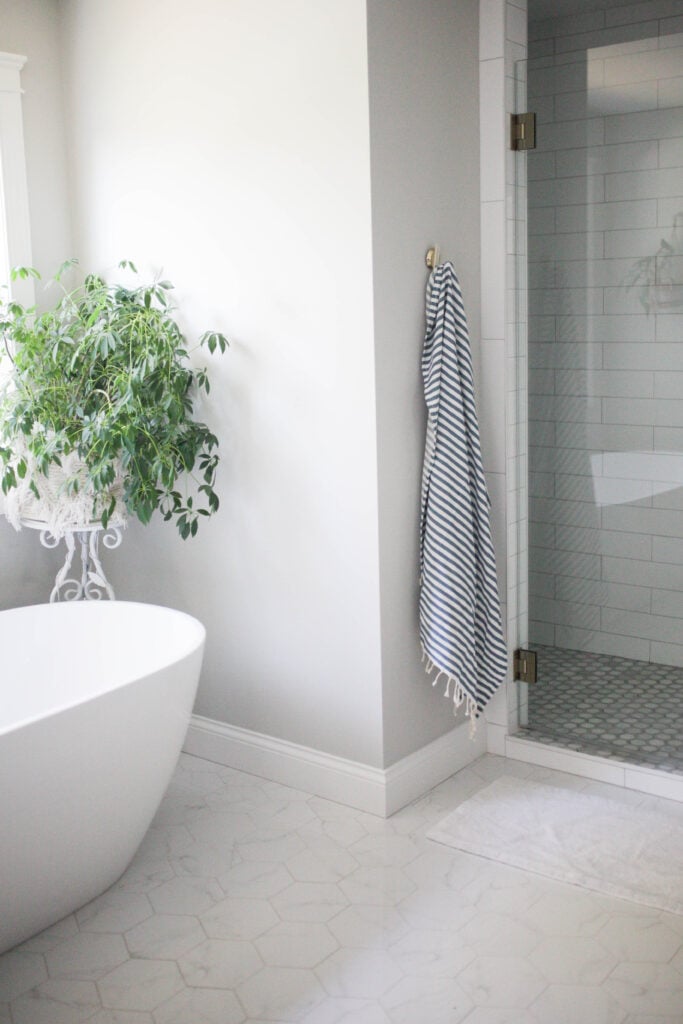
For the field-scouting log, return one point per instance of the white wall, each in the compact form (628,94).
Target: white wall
(232,145)
(31,28)
(229,143)
(424,121)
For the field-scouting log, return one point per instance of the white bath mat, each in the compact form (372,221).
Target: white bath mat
(591,841)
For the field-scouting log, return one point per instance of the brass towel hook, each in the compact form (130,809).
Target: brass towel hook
(432,257)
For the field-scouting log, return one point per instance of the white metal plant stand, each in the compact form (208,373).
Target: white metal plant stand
(93,584)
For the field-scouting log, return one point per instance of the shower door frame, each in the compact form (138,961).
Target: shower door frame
(503,721)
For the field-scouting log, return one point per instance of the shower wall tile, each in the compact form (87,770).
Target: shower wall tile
(648,65)
(668,602)
(640,11)
(600,642)
(666,654)
(591,273)
(606,377)
(643,573)
(552,28)
(635,624)
(609,159)
(669,498)
(670,92)
(545,165)
(605,216)
(568,408)
(570,355)
(670,28)
(669,385)
(554,192)
(604,37)
(659,411)
(580,245)
(565,301)
(654,521)
(628,356)
(567,563)
(541,633)
(671,153)
(607,383)
(578,134)
(618,329)
(542,584)
(544,108)
(614,99)
(667,549)
(600,437)
(565,460)
(670,329)
(668,209)
(664,181)
(648,125)
(565,613)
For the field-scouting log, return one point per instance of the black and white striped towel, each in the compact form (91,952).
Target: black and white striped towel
(460,621)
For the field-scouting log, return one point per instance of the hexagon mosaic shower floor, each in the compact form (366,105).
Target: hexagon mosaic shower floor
(252,902)
(611,707)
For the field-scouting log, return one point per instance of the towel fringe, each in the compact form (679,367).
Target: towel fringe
(460,695)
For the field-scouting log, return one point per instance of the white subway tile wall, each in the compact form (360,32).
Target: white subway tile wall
(605,209)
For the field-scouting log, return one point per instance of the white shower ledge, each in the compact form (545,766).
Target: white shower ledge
(616,773)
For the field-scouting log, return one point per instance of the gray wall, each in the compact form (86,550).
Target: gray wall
(606,402)
(424,125)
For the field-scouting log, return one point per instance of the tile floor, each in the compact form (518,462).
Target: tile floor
(251,902)
(613,707)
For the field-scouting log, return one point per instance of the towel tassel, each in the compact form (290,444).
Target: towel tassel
(460,695)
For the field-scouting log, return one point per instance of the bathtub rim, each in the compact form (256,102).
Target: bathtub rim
(196,641)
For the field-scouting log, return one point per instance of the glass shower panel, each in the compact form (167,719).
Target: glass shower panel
(605,380)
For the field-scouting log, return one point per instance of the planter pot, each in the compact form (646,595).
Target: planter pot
(58,512)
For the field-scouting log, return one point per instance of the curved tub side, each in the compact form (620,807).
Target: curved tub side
(82,787)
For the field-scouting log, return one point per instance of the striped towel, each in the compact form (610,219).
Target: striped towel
(460,623)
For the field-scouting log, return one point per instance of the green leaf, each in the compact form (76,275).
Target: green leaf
(23,273)
(105,372)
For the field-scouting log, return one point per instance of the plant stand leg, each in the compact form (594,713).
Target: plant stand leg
(96,579)
(93,584)
(62,579)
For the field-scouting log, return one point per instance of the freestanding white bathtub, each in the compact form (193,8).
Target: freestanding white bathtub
(95,699)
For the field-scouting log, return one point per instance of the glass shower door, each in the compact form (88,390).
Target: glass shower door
(605,398)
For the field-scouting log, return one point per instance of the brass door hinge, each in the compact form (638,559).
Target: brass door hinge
(524,665)
(522,131)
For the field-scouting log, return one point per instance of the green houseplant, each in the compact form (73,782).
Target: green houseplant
(96,408)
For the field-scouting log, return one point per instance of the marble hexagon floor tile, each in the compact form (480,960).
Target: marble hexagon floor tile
(251,903)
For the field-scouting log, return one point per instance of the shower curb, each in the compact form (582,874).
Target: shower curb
(590,766)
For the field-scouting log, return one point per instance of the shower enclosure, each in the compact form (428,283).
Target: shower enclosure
(605,383)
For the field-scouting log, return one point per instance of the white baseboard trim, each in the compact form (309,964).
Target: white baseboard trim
(416,774)
(376,790)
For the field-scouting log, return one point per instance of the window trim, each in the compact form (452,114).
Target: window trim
(14,183)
